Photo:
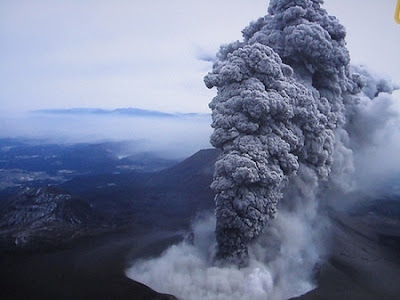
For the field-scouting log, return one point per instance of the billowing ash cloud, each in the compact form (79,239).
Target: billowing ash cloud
(297,126)
(280,111)
(185,269)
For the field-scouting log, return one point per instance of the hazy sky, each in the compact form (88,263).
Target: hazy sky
(149,54)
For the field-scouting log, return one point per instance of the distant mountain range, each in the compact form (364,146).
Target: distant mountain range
(133,112)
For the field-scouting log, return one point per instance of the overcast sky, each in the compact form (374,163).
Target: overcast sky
(149,54)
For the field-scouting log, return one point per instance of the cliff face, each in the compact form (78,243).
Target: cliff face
(42,217)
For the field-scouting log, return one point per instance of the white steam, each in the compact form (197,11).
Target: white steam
(187,270)
(375,134)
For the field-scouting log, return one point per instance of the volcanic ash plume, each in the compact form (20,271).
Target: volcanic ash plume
(295,123)
(279,117)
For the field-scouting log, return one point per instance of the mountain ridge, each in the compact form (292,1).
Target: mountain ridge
(129,111)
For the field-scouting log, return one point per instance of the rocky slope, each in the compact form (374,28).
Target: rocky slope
(43,217)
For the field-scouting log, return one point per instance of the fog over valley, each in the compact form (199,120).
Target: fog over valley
(172,135)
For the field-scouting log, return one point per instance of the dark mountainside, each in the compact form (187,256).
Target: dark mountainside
(364,260)
(45,217)
(91,204)
(77,244)
(176,193)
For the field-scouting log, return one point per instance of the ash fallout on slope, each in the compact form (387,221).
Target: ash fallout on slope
(284,97)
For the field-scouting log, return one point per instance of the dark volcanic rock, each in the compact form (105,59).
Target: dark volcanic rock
(43,217)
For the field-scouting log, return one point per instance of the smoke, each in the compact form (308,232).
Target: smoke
(297,125)
(187,271)
(281,106)
(374,133)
